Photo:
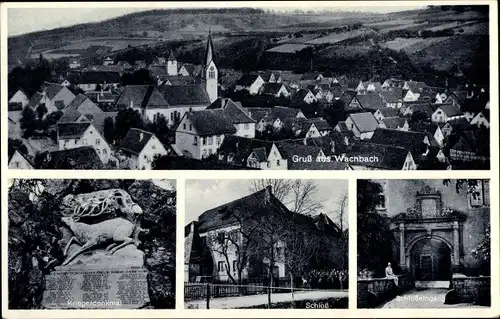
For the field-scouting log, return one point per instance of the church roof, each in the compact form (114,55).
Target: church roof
(209,53)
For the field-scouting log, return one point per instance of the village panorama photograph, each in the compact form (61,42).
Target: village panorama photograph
(266,244)
(330,88)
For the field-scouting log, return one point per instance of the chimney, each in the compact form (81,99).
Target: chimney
(141,136)
(192,227)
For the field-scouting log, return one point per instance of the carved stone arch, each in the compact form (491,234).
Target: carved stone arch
(415,240)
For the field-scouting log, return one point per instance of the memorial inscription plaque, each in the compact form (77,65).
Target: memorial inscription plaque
(118,288)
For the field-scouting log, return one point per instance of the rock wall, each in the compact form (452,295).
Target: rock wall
(476,290)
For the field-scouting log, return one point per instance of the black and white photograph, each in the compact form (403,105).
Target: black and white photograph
(266,244)
(91,244)
(423,244)
(281,87)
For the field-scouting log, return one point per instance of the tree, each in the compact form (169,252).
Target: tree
(28,121)
(109,129)
(41,110)
(297,194)
(125,120)
(343,222)
(160,128)
(374,236)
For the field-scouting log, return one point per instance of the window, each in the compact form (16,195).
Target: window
(190,127)
(171,116)
(204,141)
(279,252)
(381,201)
(220,266)
(219,140)
(278,162)
(211,72)
(246,126)
(76,142)
(184,126)
(105,151)
(98,141)
(153,147)
(195,141)
(220,237)
(210,140)
(145,157)
(210,151)
(268,164)
(17,164)
(235,265)
(84,142)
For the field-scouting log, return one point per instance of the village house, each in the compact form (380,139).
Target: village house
(445,113)
(270,77)
(380,157)
(91,79)
(19,98)
(108,61)
(391,100)
(393,83)
(367,102)
(482,119)
(74,135)
(200,134)
(275,89)
(304,96)
(454,126)
(171,101)
(274,117)
(426,109)
(250,82)
(141,148)
(385,113)
(83,105)
(362,124)
(74,64)
(252,153)
(415,142)
(471,145)
(18,160)
(457,98)
(172,68)
(55,97)
(244,124)
(430,128)
(395,123)
(312,127)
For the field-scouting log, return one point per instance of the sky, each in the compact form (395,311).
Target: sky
(202,195)
(25,20)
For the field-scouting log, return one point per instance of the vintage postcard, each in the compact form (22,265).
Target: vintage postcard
(250,159)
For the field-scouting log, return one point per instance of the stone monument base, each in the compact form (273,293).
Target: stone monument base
(88,287)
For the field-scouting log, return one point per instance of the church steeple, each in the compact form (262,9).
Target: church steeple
(211,72)
(209,53)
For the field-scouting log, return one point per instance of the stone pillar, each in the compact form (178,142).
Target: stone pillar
(456,244)
(402,252)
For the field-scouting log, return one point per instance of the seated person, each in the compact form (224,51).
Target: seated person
(390,274)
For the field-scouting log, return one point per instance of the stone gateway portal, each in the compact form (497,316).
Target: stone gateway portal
(429,237)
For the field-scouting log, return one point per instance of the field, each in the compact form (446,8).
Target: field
(466,50)
(334,38)
(390,23)
(445,26)
(114,43)
(411,45)
(477,28)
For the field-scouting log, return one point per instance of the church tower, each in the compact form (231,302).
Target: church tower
(211,72)
(172,64)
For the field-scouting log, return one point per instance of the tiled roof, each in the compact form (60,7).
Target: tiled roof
(135,140)
(389,97)
(247,79)
(394,122)
(389,157)
(389,112)
(70,115)
(185,94)
(52,89)
(210,122)
(231,110)
(450,110)
(132,93)
(365,122)
(35,99)
(271,88)
(242,147)
(71,130)
(370,101)
(424,127)
(412,141)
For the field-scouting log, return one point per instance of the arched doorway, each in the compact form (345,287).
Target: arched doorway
(430,260)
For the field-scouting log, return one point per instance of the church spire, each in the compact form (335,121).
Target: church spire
(209,54)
